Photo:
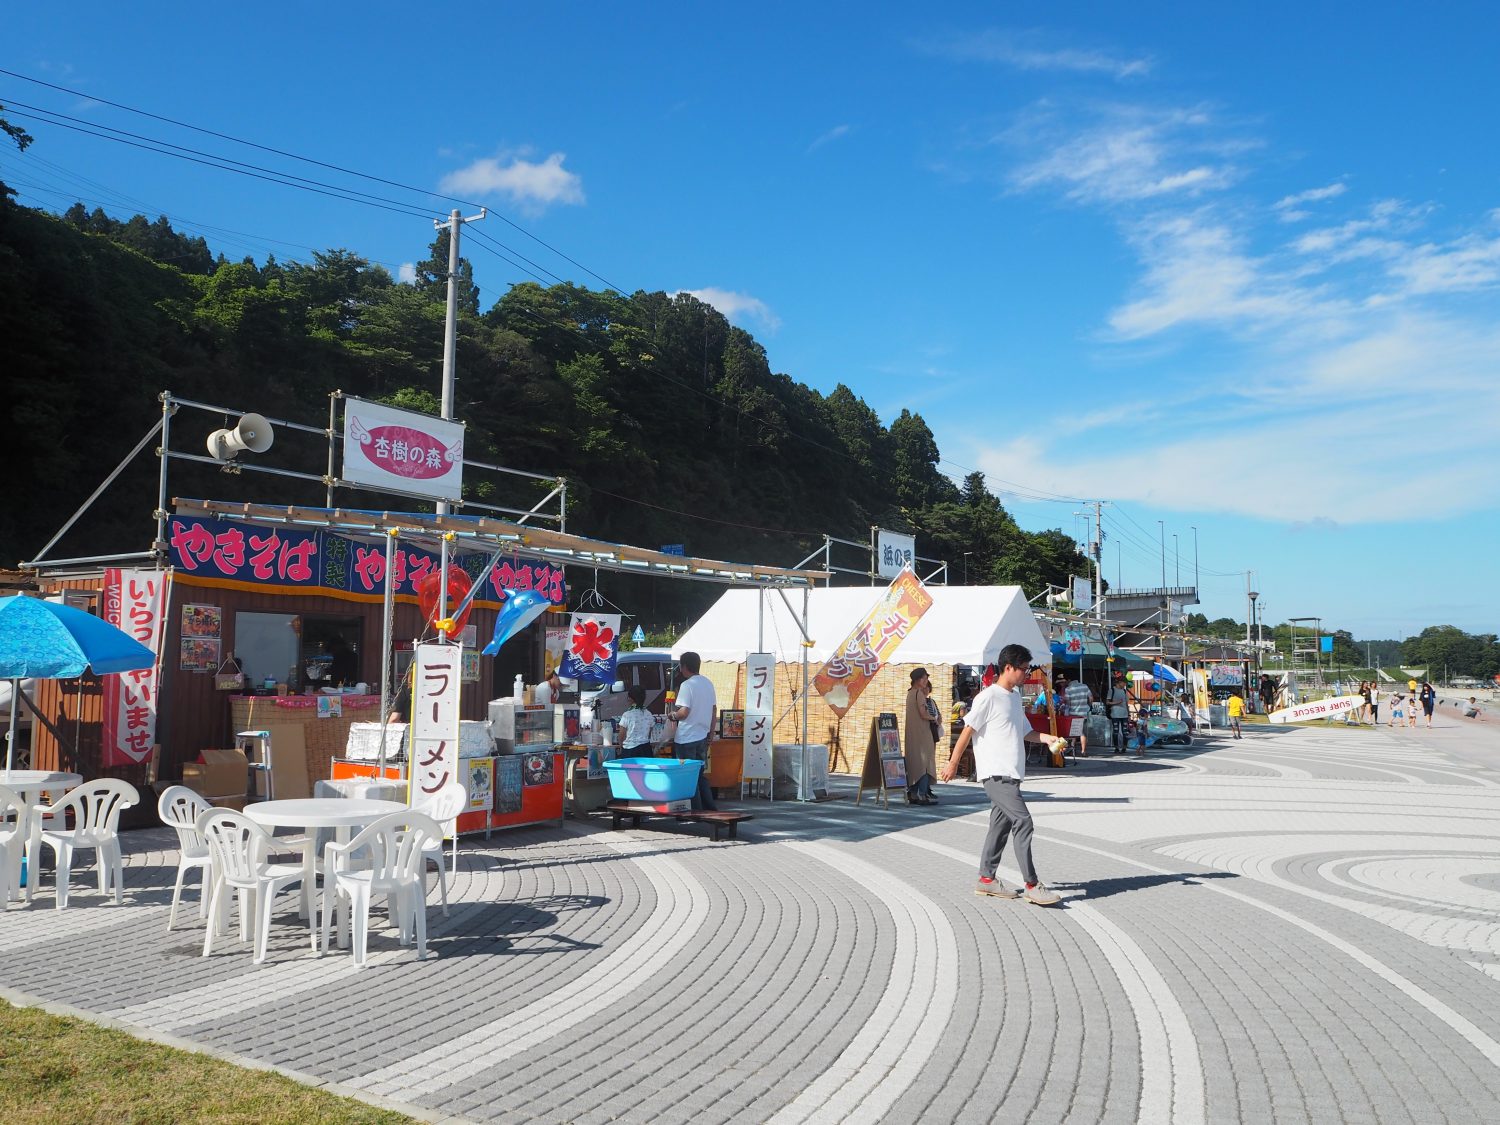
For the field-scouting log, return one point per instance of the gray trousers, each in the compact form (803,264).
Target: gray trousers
(1008,813)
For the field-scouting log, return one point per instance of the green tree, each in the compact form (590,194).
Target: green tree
(432,276)
(22,140)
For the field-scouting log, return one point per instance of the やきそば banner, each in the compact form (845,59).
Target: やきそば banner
(234,555)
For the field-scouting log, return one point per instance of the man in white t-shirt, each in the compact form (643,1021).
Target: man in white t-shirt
(694,712)
(998,728)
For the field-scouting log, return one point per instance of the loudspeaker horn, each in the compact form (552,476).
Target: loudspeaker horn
(253,433)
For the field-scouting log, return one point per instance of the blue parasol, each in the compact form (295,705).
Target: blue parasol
(50,641)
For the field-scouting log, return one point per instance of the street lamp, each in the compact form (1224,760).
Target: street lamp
(1195,558)
(966,566)
(1162,526)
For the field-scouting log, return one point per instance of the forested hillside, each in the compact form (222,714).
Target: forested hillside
(667,421)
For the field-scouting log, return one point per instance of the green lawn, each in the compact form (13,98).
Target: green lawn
(56,1069)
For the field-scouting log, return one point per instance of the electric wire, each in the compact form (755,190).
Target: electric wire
(312,160)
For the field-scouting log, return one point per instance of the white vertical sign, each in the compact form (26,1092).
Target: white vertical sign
(760,704)
(436,681)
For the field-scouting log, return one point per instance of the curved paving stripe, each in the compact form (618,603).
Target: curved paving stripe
(1295,773)
(896,1041)
(1474,1036)
(681,911)
(1171,1069)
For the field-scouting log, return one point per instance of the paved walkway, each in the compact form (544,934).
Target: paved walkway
(1302,926)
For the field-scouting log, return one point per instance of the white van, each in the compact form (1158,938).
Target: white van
(650,668)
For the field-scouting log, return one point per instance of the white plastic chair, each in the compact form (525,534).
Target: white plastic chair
(237,848)
(450,801)
(180,809)
(397,868)
(13,812)
(96,808)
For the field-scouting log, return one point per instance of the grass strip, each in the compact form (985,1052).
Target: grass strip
(62,1069)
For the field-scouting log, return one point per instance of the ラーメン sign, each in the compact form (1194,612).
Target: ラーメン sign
(402,451)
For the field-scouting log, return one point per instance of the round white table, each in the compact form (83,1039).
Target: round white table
(32,785)
(312,813)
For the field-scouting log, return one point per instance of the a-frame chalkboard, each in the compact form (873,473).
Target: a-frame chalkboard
(885,765)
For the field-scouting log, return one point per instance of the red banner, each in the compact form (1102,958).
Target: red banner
(135,602)
(851,668)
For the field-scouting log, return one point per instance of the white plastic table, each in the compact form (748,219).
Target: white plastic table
(312,813)
(32,785)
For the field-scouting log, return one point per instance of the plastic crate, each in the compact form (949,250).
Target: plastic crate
(652,779)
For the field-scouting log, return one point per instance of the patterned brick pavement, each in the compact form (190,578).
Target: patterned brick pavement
(1302,926)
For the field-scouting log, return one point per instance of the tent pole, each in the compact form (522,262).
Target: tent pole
(10,735)
(386,621)
(804,789)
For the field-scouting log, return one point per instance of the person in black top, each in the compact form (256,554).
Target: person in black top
(344,670)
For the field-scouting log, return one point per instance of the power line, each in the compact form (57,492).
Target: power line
(213,160)
(311,160)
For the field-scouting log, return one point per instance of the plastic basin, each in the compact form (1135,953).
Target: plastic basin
(652,779)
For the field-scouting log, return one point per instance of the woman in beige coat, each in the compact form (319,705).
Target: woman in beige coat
(921,741)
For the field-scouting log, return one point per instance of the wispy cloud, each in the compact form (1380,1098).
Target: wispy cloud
(1124,154)
(1290,206)
(530,185)
(837,132)
(1335,350)
(738,307)
(1032,50)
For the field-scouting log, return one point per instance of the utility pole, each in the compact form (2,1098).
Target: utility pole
(1097,550)
(454,224)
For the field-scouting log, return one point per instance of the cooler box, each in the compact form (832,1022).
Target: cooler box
(652,779)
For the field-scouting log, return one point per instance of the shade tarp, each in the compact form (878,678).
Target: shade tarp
(964,625)
(1097,655)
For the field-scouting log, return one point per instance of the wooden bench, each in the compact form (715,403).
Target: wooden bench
(719,821)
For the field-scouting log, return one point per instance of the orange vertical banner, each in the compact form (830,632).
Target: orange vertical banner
(872,643)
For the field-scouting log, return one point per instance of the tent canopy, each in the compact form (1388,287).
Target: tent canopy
(964,625)
(1097,655)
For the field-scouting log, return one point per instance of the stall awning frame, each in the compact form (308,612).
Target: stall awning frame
(484,533)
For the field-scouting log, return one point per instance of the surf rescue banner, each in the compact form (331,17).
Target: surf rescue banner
(1320,709)
(872,643)
(402,450)
(242,556)
(134,602)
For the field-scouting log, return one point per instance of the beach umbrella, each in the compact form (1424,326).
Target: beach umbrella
(50,641)
(1166,672)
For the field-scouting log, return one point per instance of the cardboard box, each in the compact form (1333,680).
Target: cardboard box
(222,774)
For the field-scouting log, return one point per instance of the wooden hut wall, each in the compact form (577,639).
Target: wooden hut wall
(848,738)
(192,715)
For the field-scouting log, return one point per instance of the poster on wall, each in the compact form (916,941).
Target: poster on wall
(199,654)
(508,783)
(760,698)
(434,723)
(135,601)
(470,667)
(536,769)
(557,644)
(202,621)
(481,784)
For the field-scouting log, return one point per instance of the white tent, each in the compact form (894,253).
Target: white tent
(964,625)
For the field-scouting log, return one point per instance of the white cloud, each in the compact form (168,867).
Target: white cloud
(1027,51)
(1290,205)
(833,134)
(1132,155)
(736,306)
(529,185)
(406,273)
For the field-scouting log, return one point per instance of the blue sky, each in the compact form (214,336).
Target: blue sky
(1233,268)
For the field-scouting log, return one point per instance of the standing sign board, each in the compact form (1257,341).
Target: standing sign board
(436,679)
(885,764)
(760,700)
(134,602)
(864,651)
(402,450)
